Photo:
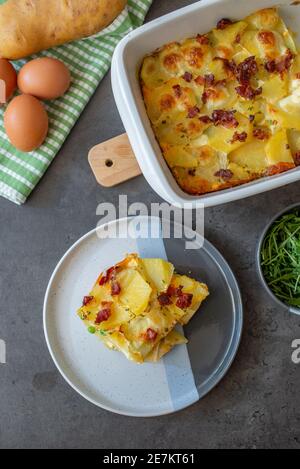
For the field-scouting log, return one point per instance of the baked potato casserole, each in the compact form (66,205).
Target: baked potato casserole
(225,106)
(135,305)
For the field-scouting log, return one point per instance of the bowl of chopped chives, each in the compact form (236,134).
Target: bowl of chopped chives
(278,258)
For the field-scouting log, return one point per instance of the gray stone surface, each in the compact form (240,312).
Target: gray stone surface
(257,405)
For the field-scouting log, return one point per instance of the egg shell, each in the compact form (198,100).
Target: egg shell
(8,80)
(45,78)
(26,122)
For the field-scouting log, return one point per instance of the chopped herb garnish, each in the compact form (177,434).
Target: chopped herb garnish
(102,332)
(280,258)
(92,330)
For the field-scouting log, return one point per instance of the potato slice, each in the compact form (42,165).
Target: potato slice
(251,156)
(278,149)
(135,291)
(275,88)
(221,138)
(159,272)
(165,345)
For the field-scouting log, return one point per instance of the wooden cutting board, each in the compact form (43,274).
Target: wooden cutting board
(113,161)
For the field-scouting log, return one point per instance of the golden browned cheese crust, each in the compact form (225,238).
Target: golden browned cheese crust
(29,26)
(225,106)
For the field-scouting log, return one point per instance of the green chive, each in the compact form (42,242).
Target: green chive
(280,258)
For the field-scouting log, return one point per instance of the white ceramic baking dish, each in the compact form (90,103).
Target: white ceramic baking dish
(197,18)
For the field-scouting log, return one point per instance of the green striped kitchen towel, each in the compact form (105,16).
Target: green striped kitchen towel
(88,60)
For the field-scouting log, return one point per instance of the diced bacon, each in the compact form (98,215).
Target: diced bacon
(225,174)
(104,314)
(247,92)
(239,137)
(174,291)
(245,70)
(115,288)
(193,111)
(108,275)
(184,301)
(281,65)
(87,300)
(151,335)
(205,119)
(261,134)
(177,91)
(209,79)
(224,118)
(202,39)
(223,23)
(164,299)
(187,76)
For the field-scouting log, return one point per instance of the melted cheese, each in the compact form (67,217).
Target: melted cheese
(182,82)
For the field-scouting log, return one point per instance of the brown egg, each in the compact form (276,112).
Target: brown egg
(45,78)
(26,122)
(8,80)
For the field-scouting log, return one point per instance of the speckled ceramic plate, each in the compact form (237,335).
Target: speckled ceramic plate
(107,378)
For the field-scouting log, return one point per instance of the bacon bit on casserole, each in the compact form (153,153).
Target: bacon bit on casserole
(205,119)
(151,334)
(209,79)
(266,37)
(115,288)
(108,275)
(174,291)
(184,301)
(298,76)
(247,92)
(193,111)
(225,174)
(245,70)
(261,134)
(229,65)
(192,172)
(187,76)
(280,65)
(164,299)
(297,158)
(177,91)
(239,137)
(167,102)
(224,118)
(251,118)
(223,23)
(103,314)
(202,39)
(87,300)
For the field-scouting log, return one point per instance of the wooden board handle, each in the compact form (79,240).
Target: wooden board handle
(113,161)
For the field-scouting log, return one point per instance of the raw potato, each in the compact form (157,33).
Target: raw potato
(29,26)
